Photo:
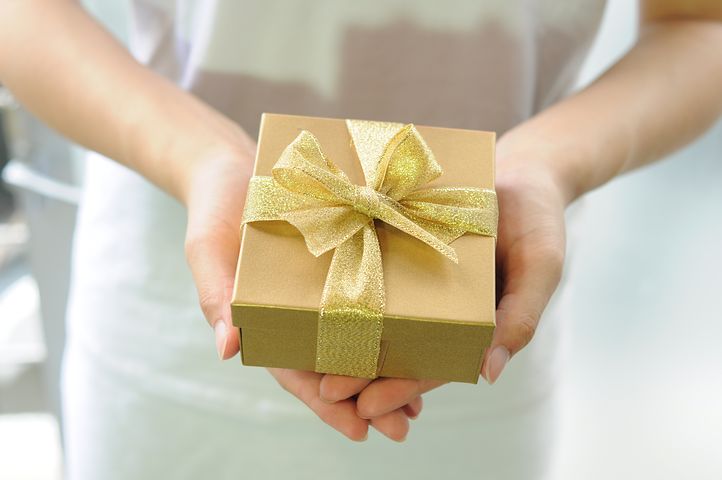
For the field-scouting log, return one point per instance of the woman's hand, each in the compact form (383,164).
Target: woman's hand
(215,192)
(530,256)
(215,195)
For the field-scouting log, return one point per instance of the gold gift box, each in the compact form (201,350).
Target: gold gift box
(439,316)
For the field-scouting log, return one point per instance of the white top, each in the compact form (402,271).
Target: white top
(133,315)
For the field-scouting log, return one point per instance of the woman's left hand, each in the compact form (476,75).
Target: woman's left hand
(530,256)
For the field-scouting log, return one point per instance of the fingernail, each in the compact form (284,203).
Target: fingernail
(495,364)
(365,437)
(411,412)
(358,414)
(221,332)
(325,398)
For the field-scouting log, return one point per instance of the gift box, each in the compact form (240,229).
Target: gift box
(367,249)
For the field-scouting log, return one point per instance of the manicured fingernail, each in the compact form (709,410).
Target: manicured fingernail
(495,364)
(365,437)
(221,332)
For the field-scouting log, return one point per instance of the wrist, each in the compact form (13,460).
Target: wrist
(177,137)
(227,163)
(521,152)
(178,161)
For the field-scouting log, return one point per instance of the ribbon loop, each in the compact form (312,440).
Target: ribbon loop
(310,192)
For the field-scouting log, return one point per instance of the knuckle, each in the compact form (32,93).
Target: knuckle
(555,254)
(556,260)
(192,245)
(210,304)
(525,328)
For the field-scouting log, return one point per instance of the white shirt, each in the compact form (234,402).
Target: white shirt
(134,321)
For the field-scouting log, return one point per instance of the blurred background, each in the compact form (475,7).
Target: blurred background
(643,381)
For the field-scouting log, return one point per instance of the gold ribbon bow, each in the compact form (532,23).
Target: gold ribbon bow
(307,190)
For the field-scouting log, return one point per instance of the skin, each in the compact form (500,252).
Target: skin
(661,95)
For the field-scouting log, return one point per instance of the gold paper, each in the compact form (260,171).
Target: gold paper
(308,190)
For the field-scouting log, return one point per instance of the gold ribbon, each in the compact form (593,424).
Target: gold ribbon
(307,190)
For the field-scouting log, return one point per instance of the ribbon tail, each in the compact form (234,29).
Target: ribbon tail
(351,314)
(449,212)
(389,214)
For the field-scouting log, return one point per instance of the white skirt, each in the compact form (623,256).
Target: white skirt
(145,396)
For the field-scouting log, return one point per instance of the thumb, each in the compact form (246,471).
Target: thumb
(531,277)
(212,253)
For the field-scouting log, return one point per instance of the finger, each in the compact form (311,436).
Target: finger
(394,425)
(340,415)
(339,387)
(532,273)
(413,408)
(387,394)
(212,259)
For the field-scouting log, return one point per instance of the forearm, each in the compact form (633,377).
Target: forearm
(661,95)
(74,76)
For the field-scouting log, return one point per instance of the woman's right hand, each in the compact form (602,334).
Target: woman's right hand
(214,194)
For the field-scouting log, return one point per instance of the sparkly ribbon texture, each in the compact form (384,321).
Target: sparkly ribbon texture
(310,192)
